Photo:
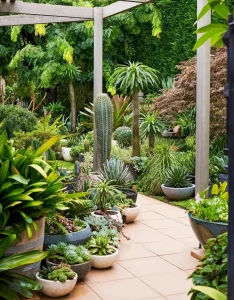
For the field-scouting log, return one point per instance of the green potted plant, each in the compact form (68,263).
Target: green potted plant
(209,216)
(78,257)
(77,152)
(212,270)
(104,193)
(177,184)
(61,229)
(115,172)
(103,254)
(57,281)
(12,283)
(129,210)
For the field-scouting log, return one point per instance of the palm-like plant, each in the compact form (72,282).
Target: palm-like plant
(71,73)
(151,125)
(131,79)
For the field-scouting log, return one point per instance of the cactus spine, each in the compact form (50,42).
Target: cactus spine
(103,116)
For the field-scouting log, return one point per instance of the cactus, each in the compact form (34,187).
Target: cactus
(86,145)
(103,116)
(123,136)
(36,144)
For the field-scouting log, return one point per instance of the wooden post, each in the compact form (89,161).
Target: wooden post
(2,90)
(203,107)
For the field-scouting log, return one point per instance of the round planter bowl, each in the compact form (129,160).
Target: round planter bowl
(75,238)
(130,214)
(56,288)
(103,262)
(130,194)
(81,269)
(117,216)
(178,194)
(66,154)
(205,230)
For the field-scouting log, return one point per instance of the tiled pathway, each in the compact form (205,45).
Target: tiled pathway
(153,265)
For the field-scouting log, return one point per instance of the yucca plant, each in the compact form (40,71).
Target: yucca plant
(11,283)
(177,177)
(100,245)
(130,79)
(114,170)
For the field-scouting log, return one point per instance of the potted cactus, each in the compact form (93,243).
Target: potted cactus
(57,281)
(78,257)
(178,184)
(103,254)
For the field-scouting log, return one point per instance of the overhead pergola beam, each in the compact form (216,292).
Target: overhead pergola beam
(19,7)
(31,20)
(121,6)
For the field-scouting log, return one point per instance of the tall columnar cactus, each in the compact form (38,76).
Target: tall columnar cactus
(103,116)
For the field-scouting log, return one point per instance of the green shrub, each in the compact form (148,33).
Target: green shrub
(14,118)
(212,271)
(123,136)
(76,150)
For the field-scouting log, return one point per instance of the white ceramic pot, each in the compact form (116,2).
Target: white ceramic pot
(106,261)
(116,216)
(66,154)
(131,213)
(56,288)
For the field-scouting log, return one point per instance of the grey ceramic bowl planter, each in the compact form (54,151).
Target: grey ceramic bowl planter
(80,269)
(205,230)
(178,194)
(75,238)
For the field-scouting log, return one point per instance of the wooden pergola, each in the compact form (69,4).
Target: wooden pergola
(33,13)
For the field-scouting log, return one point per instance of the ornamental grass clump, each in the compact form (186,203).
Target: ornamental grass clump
(177,177)
(214,209)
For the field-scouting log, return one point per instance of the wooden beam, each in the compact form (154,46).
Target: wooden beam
(203,106)
(19,7)
(30,20)
(120,6)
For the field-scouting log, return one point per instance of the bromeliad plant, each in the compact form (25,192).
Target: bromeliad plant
(100,245)
(177,177)
(29,187)
(214,209)
(11,283)
(68,254)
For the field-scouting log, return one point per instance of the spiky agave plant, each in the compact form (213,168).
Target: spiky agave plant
(177,177)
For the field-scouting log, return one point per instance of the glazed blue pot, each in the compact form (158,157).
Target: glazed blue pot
(205,230)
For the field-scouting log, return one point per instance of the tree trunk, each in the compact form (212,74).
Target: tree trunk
(136,150)
(151,141)
(73,107)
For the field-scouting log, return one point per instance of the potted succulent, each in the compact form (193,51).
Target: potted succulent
(78,257)
(77,152)
(104,194)
(57,281)
(129,210)
(178,184)
(209,217)
(114,170)
(61,229)
(103,254)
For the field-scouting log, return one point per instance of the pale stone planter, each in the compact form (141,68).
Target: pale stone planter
(66,154)
(106,261)
(178,194)
(56,288)
(131,214)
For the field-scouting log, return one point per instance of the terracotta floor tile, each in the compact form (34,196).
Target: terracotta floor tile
(123,240)
(163,223)
(147,266)
(182,261)
(144,208)
(192,242)
(189,272)
(114,273)
(127,289)
(149,215)
(142,199)
(179,297)
(184,220)
(147,236)
(133,251)
(168,211)
(178,233)
(167,246)
(136,226)
(81,292)
(168,284)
